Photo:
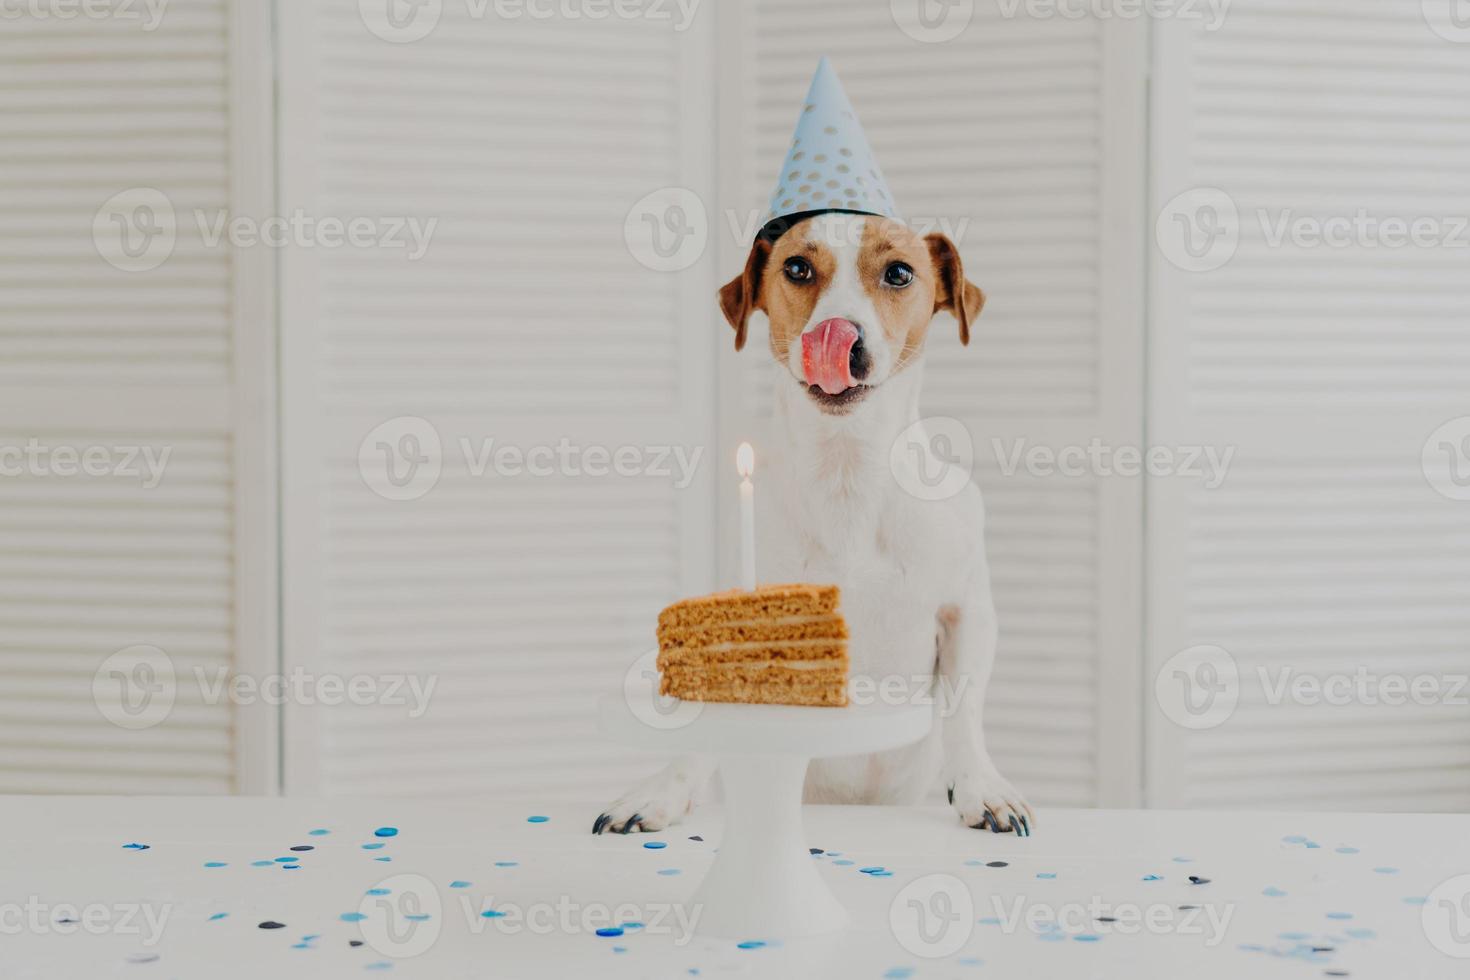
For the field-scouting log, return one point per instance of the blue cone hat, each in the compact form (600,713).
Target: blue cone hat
(830,166)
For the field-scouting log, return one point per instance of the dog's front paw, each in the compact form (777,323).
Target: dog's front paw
(653,804)
(992,802)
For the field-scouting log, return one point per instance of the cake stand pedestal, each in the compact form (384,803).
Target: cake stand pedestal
(764,883)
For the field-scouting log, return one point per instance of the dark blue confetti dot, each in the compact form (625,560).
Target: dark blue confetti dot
(997,864)
(271,924)
(655,845)
(354,942)
(698,838)
(290,867)
(386,832)
(303,847)
(609,932)
(1197,880)
(537,819)
(815,850)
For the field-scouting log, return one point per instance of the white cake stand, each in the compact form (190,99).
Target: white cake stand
(764,883)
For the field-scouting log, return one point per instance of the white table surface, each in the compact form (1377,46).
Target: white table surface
(1272,897)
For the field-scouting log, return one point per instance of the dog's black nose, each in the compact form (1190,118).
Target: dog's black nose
(859,361)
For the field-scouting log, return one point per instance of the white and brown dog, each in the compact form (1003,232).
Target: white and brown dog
(849,299)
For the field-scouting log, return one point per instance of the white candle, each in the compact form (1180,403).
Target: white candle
(745,465)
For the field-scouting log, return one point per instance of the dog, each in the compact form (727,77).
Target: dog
(849,299)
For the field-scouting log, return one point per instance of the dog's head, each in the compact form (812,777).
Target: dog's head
(849,298)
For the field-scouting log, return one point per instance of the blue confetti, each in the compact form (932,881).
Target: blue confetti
(899,973)
(1294,937)
(492,914)
(1182,860)
(382,859)
(610,931)
(261,864)
(319,832)
(1153,878)
(989,921)
(217,916)
(970,961)
(352,917)
(833,854)
(974,863)
(417,916)
(655,845)
(537,819)
(620,949)
(459,884)
(668,872)
(386,832)
(1387,871)
(844,862)
(379,891)
(372,847)
(1086,937)
(1415,900)
(136,847)
(287,860)
(1295,839)
(1051,937)
(1272,892)
(380,965)
(1361,933)
(1339,915)
(1313,845)
(290,867)
(215,864)
(1046,874)
(1347,850)
(506,864)
(751,944)
(873,870)
(632,925)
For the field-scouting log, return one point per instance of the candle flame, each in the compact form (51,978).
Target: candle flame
(745,460)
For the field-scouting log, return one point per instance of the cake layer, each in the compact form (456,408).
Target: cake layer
(769,683)
(827,626)
(832,651)
(739,605)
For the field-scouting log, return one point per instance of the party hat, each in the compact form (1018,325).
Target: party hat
(830,166)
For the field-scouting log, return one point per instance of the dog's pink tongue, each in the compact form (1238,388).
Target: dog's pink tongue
(825,353)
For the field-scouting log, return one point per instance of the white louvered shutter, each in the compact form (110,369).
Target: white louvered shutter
(527,322)
(1025,136)
(93,355)
(1326,550)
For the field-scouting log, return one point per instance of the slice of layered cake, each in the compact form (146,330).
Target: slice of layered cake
(778,644)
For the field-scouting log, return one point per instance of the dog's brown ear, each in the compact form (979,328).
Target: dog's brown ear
(741,296)
(954,292)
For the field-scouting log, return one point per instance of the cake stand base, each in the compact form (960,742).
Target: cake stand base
(764,883)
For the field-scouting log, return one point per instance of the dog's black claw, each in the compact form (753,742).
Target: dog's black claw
(1025,826)
(601,822)
(628,825)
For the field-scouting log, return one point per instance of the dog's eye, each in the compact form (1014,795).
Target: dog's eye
(798,269)
(898,275)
